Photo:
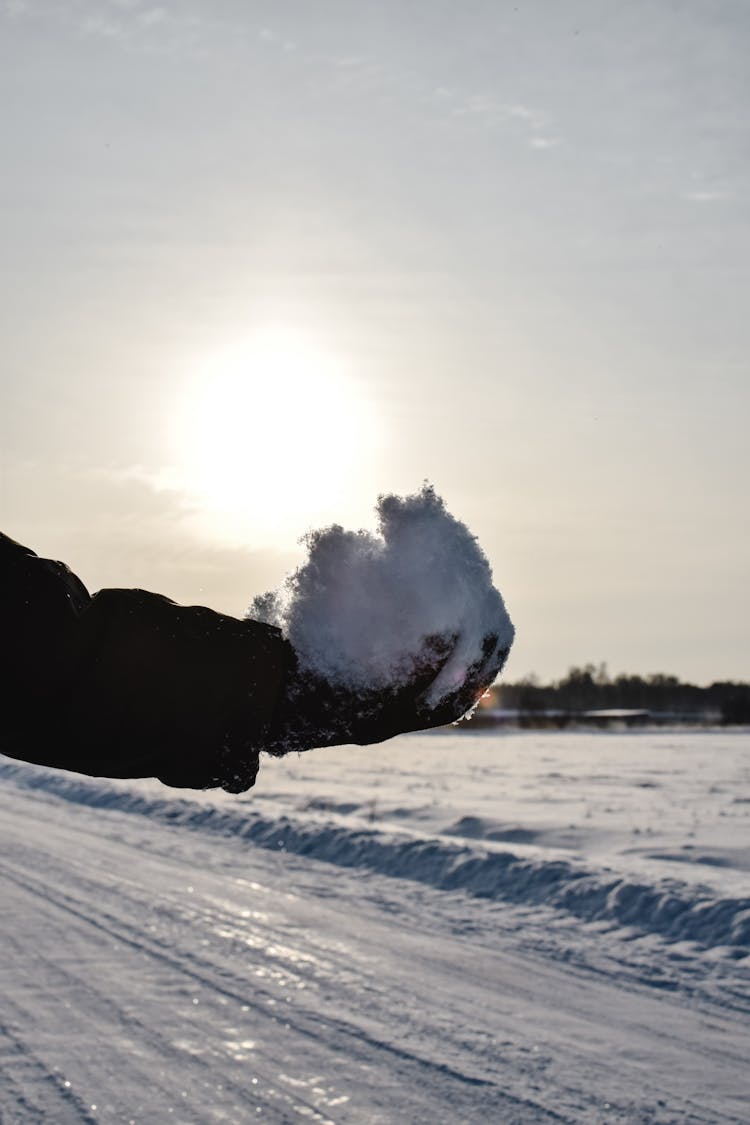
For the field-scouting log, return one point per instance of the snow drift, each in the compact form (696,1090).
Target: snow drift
(363,608)
(673,910)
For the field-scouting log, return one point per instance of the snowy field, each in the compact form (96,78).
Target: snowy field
(494,928)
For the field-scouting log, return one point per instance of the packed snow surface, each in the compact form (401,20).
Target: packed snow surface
(513,928)
(362,607)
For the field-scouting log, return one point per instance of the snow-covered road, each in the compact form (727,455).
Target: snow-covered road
(155,973)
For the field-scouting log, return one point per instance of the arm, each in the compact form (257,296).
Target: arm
(128,684)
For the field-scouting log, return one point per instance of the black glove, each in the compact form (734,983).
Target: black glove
(314,712)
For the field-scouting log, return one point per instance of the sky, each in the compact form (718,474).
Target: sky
(265,261)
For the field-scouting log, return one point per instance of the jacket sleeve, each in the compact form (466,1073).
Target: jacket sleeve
(40,603)
(129,684)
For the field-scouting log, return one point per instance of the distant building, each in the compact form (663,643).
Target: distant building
(603,718)
(616,717)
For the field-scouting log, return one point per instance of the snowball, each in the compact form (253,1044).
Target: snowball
(363,608)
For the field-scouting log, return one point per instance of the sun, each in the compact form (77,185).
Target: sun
(269,438)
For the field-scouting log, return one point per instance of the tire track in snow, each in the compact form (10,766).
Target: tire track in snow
(350,1041)
(88,875)
(37,1092)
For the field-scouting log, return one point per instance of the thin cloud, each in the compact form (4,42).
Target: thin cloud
(718,195)
(361,73)
(14,9)
(129,21)
(544,142)
(494,112)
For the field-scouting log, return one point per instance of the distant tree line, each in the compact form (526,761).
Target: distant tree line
(590,688)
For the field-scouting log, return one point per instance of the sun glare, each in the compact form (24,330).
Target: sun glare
(271,438)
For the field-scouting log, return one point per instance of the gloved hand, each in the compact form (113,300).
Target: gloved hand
(315,712)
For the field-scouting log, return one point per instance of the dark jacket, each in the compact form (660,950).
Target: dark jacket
(129,684)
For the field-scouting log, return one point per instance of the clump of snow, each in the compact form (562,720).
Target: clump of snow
(363,609)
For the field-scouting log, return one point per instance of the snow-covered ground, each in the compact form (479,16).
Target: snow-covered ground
(448,928)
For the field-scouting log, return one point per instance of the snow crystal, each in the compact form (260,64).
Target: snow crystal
(363,608)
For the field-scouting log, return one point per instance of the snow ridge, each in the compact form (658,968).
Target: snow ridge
(674,910)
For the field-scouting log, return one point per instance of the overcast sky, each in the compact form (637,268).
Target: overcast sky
(261,261)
